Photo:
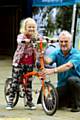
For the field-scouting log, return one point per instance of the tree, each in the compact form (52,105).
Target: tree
(51,19)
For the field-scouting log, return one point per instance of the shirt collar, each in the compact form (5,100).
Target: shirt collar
(70,52)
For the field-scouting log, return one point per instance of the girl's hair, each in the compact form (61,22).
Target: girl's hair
(23,24)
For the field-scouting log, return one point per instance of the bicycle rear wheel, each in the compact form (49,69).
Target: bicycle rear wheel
(7,88)
(49,99)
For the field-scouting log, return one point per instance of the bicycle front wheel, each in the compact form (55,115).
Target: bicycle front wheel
(49,99)
(7,88)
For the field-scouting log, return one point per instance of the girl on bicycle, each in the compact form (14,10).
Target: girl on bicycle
(24,59)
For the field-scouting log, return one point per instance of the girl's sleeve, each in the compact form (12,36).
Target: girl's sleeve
(20,38)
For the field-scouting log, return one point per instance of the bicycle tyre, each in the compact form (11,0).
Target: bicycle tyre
(50,99)
(7,91)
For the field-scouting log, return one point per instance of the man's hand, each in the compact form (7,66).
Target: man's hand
(45,72)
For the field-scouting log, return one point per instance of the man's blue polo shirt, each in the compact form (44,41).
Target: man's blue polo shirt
(60,59)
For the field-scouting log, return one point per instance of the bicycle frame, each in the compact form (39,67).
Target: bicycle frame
(49,96)
(37,73)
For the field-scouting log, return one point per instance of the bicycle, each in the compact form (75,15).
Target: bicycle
(49,96)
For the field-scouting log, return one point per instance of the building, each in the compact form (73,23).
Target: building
(11,12)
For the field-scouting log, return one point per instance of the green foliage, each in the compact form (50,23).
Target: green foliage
(63,18)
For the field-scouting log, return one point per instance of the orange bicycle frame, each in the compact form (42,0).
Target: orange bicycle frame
(35,73)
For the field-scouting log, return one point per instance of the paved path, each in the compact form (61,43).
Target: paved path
(19,112)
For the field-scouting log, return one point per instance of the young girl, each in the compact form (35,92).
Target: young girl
(24,59)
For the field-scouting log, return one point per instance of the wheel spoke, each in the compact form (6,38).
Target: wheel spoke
(49,100)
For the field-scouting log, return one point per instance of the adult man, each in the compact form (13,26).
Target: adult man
(67,61)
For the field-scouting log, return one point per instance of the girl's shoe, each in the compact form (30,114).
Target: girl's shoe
(9,107)
(30,106)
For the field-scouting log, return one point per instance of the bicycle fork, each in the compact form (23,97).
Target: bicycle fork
(44,88)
